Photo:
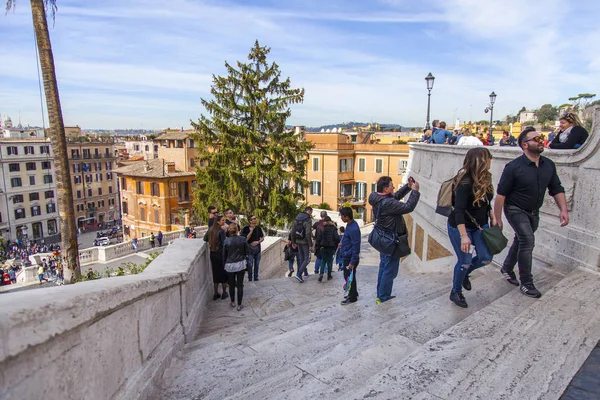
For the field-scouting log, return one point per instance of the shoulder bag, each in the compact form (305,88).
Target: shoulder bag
(388,242)
(493,236)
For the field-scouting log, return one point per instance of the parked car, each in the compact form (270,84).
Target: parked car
(102,241)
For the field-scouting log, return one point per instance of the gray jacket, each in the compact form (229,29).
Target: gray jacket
(303,218)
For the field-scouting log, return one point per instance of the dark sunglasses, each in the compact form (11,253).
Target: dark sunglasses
(538,139)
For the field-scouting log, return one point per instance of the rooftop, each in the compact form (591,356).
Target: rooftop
(175,135)
(157,168)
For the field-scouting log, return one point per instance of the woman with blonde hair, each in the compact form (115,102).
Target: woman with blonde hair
(235,254)
(472,210)
(468,139)
(572,135)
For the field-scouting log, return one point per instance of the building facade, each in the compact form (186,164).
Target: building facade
(95,186)
(28,190)
(340,171)
(148,149)
(155,195)
(178,147)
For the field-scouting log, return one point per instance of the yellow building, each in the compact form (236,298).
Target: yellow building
(155,195)
(340,171)
(178,147)
(95,190)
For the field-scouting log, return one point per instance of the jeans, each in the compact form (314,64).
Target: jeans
(254,258)
(327,254)
(524,224)
(317,265)
(466,263)
(236,281)
(293,256)
(353,292)
(303,258)
(388,270)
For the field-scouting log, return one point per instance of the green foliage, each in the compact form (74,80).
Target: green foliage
(546,113)
(582,100)
(129,268)
(324,206)
(483,122)
(529,123)
(252,163)
(412,129)
(510,119)
(347,204)
(400,141)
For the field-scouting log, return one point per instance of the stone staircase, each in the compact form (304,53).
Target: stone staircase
(295,341)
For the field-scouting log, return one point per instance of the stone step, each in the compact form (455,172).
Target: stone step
(515,348)
(344,365)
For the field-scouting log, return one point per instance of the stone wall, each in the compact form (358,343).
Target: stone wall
(578,244)
(103,339)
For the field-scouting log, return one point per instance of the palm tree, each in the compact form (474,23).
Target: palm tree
(56,131)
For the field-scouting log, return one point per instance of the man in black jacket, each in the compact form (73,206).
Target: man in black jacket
(326,244)
(302,240)
(388,211)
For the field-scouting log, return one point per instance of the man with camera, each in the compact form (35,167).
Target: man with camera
(388,211)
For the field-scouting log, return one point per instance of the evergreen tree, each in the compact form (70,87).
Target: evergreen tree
(248,160)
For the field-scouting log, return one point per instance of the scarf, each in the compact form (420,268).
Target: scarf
(564,135)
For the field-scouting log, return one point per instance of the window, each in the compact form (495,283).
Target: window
(142,214)
(192,162)
(98,177)
(12,150)
(98,166)
(49,194)
(86,167)
(402,165)
(154,189)
(109,176)
(52,227)
(173,189)
(111,202)
(30,166)
(191,144)
(101,204)
(34,196)
(90,192)
(29,150)
(379,165)
(15,182)
(156,148)
(373,187)
(80,207)
(361,190)
(35,211)
(99,191)
(37,230)
(45,149)
(79,194)
(108,165)
(362,165)
(74,154)
(88,178)
(32,180)
(17,198)
(15,167)
(124,207)
(48,179)
(86,153)
(110,189)
(46,165)
(50,208)
(315,188)
(139,187)
(123,183)
(184,191)
(77,179)
(315,162)
(146,148)
(136,147)
(346,165)
(19,213)
(76,168)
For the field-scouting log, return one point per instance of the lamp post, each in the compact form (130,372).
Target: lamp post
(429,79)
(490,108)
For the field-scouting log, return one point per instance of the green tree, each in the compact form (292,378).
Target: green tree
(252,163)
(483,122)
(56,132)
(546,113)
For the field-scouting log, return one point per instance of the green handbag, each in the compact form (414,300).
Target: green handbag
(493,237)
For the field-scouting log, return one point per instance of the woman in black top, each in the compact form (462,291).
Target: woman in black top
(572,135)
(473,194)
(215,238)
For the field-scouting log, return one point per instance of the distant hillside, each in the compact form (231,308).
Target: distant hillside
(350,125)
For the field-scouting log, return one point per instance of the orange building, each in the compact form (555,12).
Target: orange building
(178,147)
(155,195)
(341,171)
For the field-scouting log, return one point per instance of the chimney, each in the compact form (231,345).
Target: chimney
(169,167)
(146,167)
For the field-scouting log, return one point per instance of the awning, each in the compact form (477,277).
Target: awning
(347,181)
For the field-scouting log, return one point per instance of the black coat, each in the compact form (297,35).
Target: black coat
(235,249)
(577,136)
(390,217)
(328,236)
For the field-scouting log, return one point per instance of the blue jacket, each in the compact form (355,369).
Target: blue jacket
(440,136)
(351,243)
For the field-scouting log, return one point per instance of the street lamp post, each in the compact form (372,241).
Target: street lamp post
(490,108)
(429,79)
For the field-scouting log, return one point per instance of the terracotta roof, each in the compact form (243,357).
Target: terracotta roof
(157,168)
(178,135)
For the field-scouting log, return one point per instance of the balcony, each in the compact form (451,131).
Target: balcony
(186,199)
(354,201)
(97,155)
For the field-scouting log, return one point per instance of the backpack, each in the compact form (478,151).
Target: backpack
(444,198)
(299,229)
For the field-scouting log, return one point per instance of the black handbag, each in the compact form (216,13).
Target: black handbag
(493,237)
(388,242)
(286,252)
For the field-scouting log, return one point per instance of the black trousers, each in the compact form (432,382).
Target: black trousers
(524,224)
(236,281)
(353,292)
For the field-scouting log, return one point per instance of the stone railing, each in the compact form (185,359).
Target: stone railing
(107,338)
(578,244)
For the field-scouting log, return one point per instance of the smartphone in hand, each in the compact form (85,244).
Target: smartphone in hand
(411,180)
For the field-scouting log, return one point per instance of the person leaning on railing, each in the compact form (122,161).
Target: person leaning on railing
(572,135)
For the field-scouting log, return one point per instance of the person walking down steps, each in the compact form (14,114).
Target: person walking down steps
(235,253)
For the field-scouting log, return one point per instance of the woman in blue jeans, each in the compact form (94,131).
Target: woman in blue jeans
(472,196)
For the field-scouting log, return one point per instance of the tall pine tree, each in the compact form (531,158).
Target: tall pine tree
(249,161)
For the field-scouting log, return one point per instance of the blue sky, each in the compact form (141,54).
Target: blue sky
(146,63)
